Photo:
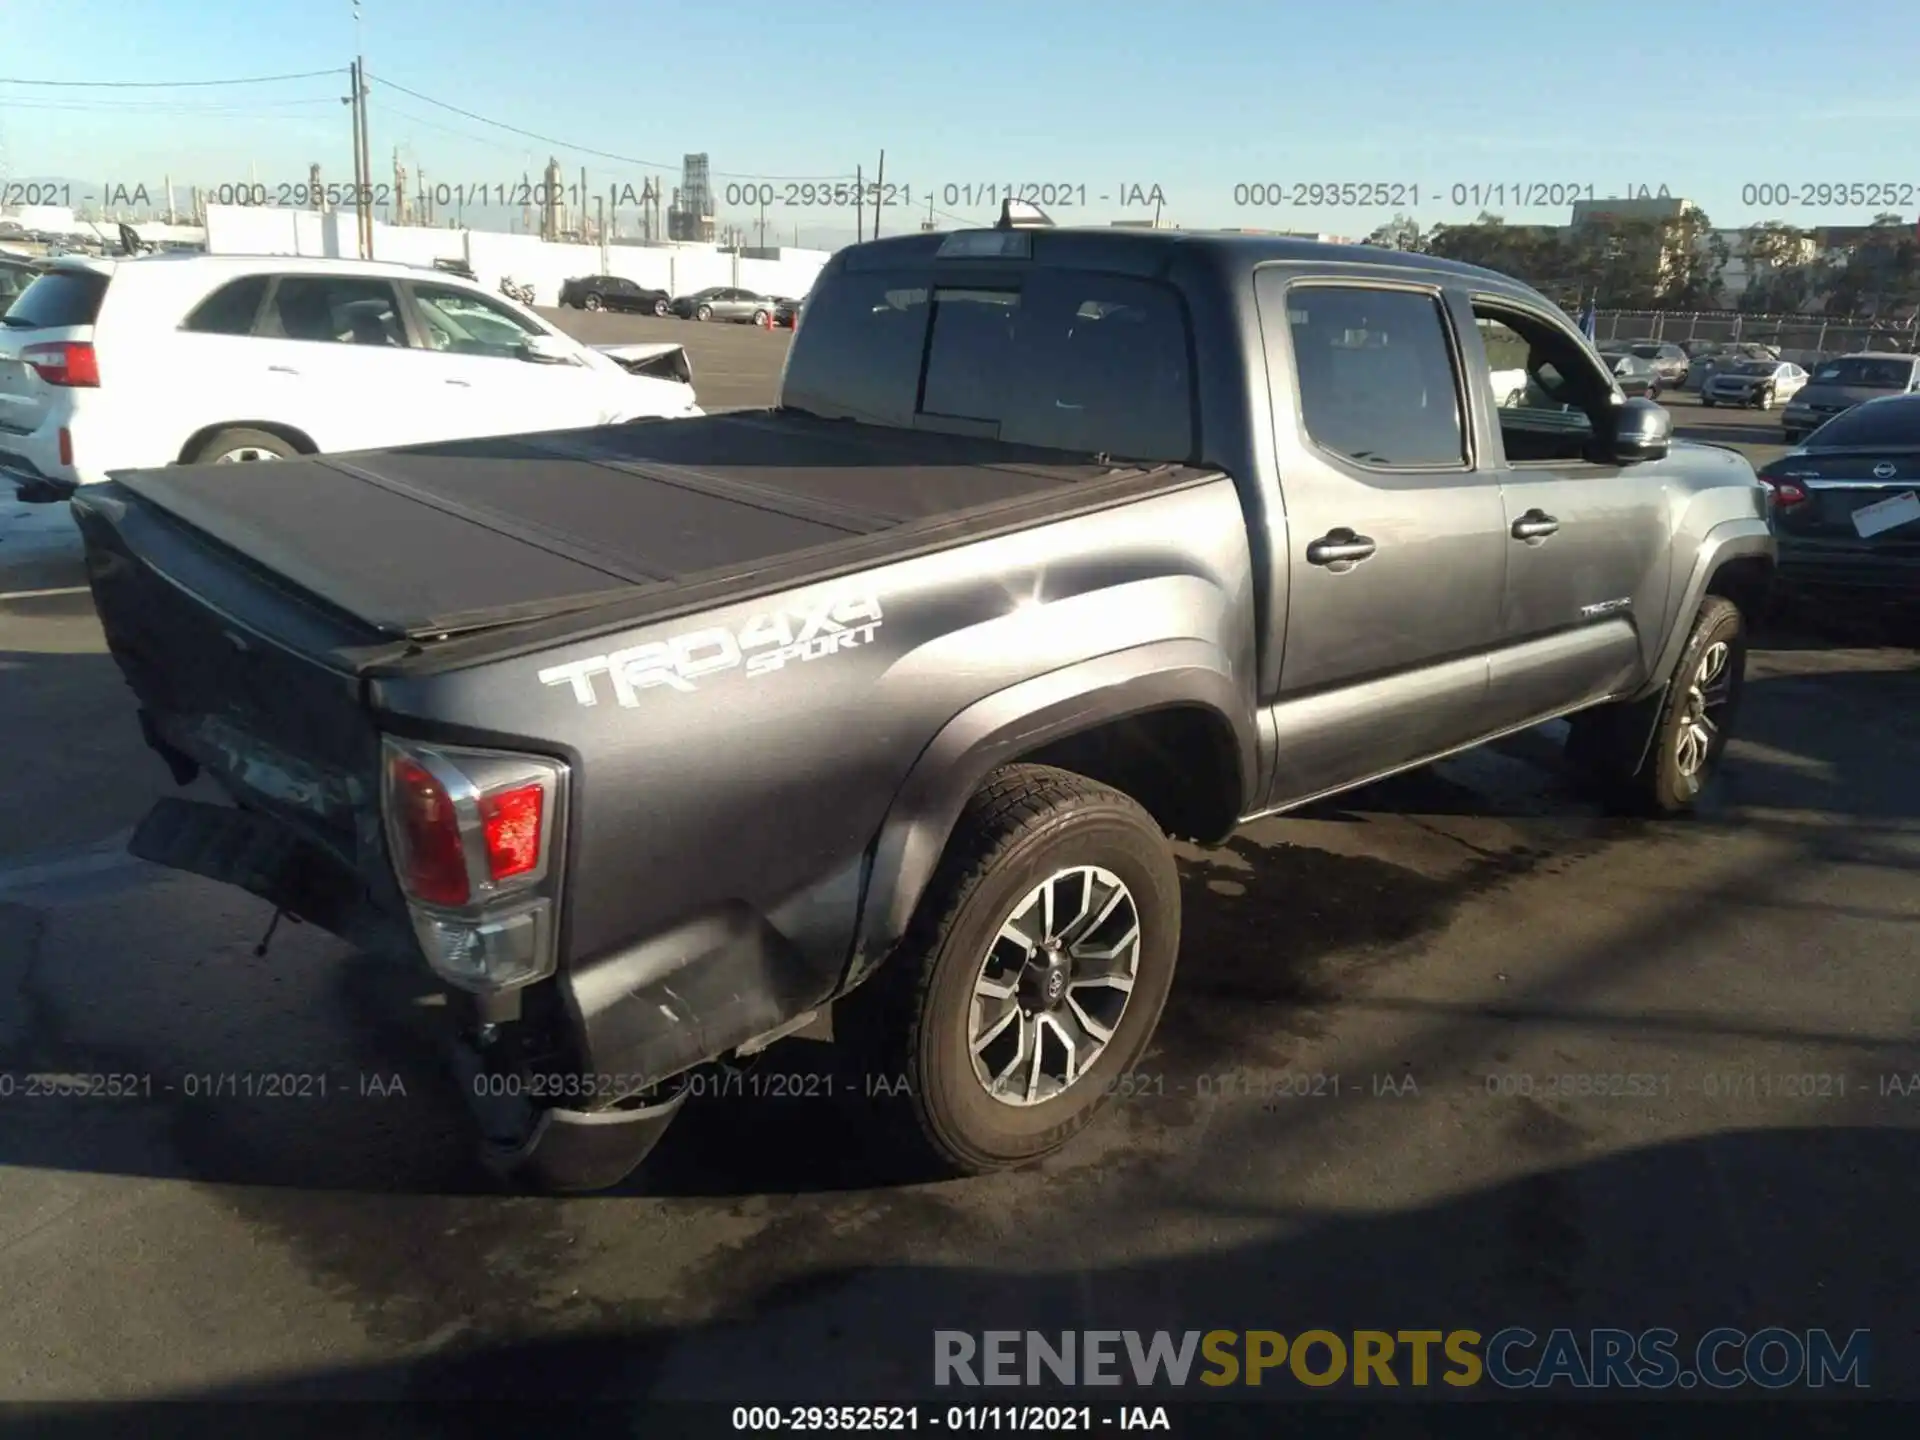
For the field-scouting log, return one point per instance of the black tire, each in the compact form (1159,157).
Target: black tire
(594,302)
(1764,400)
(1706,402)
(1607,743)
(913,1019)
(239,438)
(662,309)
(704,312)
(763,319)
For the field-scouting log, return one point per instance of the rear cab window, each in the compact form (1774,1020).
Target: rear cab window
(1376,376)
(61,299)
(1058,358)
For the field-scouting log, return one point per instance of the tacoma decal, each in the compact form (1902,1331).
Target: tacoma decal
(762,646)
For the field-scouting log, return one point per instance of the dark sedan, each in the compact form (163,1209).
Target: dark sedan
(614,292)
(1635,376)
(1846,504)
(786,312)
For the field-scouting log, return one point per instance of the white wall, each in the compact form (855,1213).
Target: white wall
(677,269)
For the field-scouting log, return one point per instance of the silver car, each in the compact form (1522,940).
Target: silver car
(1755,383)
(727,302)
(1838,385)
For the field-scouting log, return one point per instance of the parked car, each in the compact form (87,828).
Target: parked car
(1756,383)
(614,292)
(1846,503)
(1669,361)
(723,302)
(15,276)
(1837,385)
(786,312)
(887,700)
(1711,357)
(165,359)
(456,267)
(1635,375)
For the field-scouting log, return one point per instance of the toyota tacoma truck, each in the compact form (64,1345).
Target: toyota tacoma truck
(658,742)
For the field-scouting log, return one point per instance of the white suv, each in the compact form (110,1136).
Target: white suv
(164,359)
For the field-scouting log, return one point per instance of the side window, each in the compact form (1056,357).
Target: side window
(1376,376)
(461,322)
(346,310)
(230,310)
(1545,388)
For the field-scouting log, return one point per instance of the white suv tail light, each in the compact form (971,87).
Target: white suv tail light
(475,837)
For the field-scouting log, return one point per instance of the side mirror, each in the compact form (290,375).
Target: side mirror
(1641,430)
(546,350)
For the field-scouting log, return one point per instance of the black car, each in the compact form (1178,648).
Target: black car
(786,312)
(1846,503)
(614,292)
(1635,376)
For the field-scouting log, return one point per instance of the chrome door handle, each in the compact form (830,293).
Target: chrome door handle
(463,384)
(1535,525)
(281,370)
(1340,547)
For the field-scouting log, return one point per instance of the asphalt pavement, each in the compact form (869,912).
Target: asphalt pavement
(1454,1051)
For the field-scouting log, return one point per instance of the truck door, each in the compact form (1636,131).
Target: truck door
(1396,542)
(1587,545)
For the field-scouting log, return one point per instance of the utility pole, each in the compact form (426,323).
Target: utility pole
(763,219)
(169,182)
(359,171)
(398,210)
(859,205)
(583,204)
(366,163)
(316,192)
(879,192)
(600,224)
(929,224)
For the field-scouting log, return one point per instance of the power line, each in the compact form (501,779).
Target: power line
(169,84)
(168,107)
(585,149)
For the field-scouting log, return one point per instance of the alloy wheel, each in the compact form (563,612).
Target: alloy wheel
(1053,986)
(244,454)
(1707,696)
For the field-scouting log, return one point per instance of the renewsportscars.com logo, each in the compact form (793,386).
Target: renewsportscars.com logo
(1512,1359)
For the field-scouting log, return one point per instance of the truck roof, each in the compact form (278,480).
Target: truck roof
(1236,246)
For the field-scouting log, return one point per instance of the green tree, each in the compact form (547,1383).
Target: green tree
(1881,273)
(1400,233)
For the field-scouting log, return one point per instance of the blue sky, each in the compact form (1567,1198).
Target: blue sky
(1706,97)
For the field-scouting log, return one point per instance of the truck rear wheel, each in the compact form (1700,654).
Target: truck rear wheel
(1692,720)
(1034,973)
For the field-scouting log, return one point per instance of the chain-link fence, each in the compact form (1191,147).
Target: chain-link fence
(1802,339)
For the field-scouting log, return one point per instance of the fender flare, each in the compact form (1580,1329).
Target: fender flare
(1016,721)
(1729,540)
(1736,539)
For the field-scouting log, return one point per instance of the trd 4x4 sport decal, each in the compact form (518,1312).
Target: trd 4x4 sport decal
(765,644)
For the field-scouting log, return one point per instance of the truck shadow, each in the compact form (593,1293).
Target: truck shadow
(1761,1228)
(1280,930)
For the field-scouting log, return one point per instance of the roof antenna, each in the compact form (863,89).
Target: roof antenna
(1021,215)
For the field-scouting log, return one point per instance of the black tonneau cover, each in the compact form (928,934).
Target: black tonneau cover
(436,539)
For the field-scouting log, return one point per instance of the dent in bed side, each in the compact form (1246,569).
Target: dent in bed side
(1028,722)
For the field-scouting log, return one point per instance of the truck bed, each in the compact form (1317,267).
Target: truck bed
(435,540)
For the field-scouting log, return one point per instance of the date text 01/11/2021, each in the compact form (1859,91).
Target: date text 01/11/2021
(520,194)
(1407,194)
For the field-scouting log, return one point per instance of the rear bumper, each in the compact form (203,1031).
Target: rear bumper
(30,482)
(1815,565)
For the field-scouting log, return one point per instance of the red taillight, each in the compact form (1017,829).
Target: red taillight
(1785,492)
(64,362)
(432,861)
(511,819)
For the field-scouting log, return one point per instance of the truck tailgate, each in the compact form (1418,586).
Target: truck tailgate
(436,539)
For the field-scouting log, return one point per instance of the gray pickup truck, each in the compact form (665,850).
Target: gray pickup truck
(656,741)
